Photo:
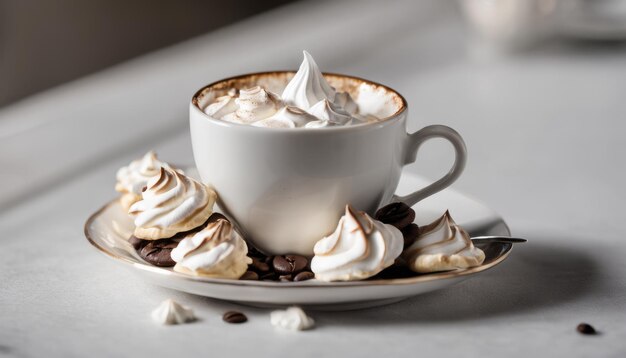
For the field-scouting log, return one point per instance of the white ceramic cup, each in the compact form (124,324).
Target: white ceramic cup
(287,188)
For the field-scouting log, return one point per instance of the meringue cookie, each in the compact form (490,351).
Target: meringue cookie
(172,312)
(215,251)
(254,104)
(292,319)
(328,115)
(442,246)
(359,248)
(286,117)
(308,86)
(131,179)
(221,106)
(171,203)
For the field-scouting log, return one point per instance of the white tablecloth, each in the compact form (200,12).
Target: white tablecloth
(545,132)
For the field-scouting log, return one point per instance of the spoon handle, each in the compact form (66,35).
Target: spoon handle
(513,240)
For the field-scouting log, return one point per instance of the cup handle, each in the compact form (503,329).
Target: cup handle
(414,141)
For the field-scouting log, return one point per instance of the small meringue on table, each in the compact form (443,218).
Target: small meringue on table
(291,319)
(442,246)
(131,179)
(171,203)
(172,312)
(359,248)
(215,251)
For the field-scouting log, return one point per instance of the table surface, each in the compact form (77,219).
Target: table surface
(544,130)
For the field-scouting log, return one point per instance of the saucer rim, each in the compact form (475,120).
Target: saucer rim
(506,249)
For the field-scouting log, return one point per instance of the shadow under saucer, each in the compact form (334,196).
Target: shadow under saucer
(539,275)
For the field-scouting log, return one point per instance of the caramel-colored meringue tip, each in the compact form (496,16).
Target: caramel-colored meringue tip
(350,210)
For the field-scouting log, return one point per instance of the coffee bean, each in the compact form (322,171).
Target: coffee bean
(249,275)
(303,276)
(157,252)
(254,252)
(410,233)
(138,243)
(285,278)
(289,264)
(585,328)
(269,276)
(234,317)
(396,214)
(259,266)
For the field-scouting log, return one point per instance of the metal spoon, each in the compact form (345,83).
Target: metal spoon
(512,240)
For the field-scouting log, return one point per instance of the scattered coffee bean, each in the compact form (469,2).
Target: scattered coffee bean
(410,233)
(234,317)
(289,264)
(585,328)
(303,276)
(285,278)
(138,243)
(157,252)
(259,266)
(396,214)
(249,275)
(269,276)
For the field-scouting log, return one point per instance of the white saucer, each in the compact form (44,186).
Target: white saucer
(109,228)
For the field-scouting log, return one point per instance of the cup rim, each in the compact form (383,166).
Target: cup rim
(383,122)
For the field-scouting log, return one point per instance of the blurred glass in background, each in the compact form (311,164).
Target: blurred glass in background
(501,26)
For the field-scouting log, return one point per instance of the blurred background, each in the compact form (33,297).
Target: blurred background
(536,87)
(45,43)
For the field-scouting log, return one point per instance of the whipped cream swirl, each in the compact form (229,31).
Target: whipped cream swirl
(359,248)
(253,104)
(221,106)
(308,86)
(131,179)
(172,312)
(442,246)
(308,101)
(171,203)
(329,115)
(292,319)
(215,251)
(287,117)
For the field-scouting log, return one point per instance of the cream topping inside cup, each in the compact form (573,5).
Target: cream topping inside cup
(307,92)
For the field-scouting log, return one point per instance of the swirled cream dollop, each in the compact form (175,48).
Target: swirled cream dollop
(307,101)
(292,319)
(253,104)
(287,117)
(172,312)
(221,106)
(215,251)
(171,203)
(308,86)
(442,246)
(131,179)
(328,115)
(359,248)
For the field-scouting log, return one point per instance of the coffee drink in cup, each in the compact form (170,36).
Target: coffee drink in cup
(286,151)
